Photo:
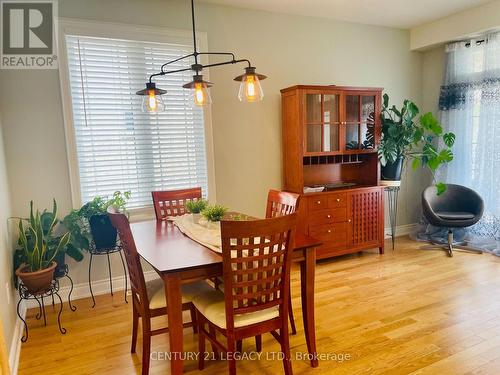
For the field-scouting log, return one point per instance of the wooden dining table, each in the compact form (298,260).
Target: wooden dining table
(179,259)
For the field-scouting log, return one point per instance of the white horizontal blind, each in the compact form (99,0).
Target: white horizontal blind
(118,146)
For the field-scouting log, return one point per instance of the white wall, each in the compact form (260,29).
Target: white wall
(247,137)
(7,293)
(456,26)
(433,61)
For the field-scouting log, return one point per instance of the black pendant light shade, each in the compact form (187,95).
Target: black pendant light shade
(250,89)
(151,99)
(201,92)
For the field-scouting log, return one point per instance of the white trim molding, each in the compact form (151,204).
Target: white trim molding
(15,346)
(401,230)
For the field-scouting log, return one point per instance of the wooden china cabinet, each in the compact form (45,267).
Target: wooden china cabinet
(330,138)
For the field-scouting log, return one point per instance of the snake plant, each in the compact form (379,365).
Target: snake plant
(37,241)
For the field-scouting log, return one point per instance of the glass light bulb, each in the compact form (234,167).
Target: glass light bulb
(250,89)
(152,103)
(201,94)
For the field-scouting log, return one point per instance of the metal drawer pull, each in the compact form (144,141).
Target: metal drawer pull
(329,231)
(328,216)
(349,220)
(338,199)
(318,202)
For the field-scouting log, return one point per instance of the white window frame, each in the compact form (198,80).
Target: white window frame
(69,26)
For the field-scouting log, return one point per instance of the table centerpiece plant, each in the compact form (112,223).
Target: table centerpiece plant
(214,214)
(195,207)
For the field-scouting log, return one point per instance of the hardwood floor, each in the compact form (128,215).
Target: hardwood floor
(408,311)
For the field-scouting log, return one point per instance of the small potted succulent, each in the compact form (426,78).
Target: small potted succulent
(39,249)
(195,207)
(214,214)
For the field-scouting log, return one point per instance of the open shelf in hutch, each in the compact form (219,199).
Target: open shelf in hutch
(330,138)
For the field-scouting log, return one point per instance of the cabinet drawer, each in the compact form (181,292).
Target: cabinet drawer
(330,215)
(317,203)
(334,234)
(337,200)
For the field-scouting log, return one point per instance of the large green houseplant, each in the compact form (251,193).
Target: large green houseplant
(39,248)
(91,222)
(408,136)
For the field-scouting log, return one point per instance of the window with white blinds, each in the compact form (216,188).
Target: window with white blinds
(118,146)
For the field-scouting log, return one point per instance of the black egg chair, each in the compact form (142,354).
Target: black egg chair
(457,207)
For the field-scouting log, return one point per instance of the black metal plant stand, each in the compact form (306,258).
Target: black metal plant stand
(52,291)
(392,198)
(59,277)
(94,251)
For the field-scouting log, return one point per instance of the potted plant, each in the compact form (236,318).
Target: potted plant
(39,248)
(214,214)
(91,220)
(195,207)
(404,137)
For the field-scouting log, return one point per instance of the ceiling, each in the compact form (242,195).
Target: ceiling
(392,13)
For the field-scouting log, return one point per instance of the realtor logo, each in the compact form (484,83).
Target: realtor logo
(28,34)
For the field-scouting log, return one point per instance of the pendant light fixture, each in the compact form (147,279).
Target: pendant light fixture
(250,88)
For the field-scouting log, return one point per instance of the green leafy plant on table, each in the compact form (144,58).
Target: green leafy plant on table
(407,136)
(196,206)
(214,212)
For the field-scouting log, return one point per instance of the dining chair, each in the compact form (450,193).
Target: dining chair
(256,258)
(281,203)
(148,298)
(173,202)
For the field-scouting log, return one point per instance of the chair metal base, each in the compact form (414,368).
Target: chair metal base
(451,246)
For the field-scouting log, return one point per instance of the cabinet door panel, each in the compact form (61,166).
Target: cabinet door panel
(313,108)
(314,134)
(368,108)
(365,208)
(352,108)
(331,108)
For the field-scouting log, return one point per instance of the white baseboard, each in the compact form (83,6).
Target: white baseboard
(15,346)
(401,230)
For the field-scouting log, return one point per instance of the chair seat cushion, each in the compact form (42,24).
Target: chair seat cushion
(455,215)
(212,306)
(156,292)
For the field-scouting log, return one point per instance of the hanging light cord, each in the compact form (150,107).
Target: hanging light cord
(197,67)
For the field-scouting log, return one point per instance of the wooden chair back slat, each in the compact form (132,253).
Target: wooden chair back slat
(256,260)
(281,203)
(136,274)
(173,202)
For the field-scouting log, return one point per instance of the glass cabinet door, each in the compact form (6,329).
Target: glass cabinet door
(360,122)
(322,123)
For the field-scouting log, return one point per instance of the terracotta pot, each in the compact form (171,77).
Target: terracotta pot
(37,281)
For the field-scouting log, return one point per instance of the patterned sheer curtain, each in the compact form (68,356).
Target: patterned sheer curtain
(469,106)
